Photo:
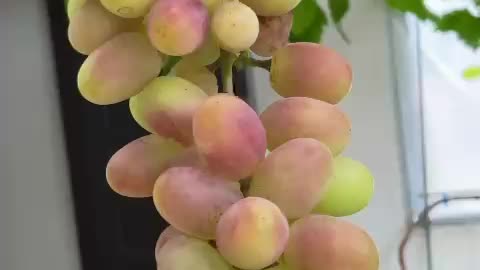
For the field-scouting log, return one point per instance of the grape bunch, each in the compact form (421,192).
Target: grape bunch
(240,190)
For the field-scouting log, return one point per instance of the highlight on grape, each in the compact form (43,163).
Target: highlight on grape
(240,189)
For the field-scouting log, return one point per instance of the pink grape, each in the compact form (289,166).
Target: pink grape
(330,244)
(274,34)
(133,170)
(119,69)
(252,233)
(166,107)
(310,70)
(294,176)
(229,136)
(192,200)
(301,117)
(178,27)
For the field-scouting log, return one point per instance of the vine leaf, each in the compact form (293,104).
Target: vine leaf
(464,24)
(338,10)
(309,21)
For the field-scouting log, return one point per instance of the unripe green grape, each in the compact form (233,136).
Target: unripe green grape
(252,234)
(119,69)
(229,136)
(198,75)
(271,7)
(166,107)
(235,26)
(133,170)
(328,243)
(349,191)
(192,200)
(301,117)
(92,26)
(206,55)
(182,252)
(310,70)
(274,34)
(178,27)
(128,8)
(73,6)
(294,176)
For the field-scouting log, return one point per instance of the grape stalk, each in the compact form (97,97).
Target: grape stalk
(240,189)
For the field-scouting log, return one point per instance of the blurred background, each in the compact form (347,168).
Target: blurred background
(415,124)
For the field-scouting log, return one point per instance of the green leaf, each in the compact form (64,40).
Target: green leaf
(309,21)
(338,9)
(472,73)
(464,24)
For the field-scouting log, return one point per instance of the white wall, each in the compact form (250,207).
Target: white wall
(37,229)
(375,141)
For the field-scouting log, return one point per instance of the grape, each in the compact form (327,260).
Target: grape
(229,136)
(119,69)
(198,75)
(207,54)
(168,234)
(128,8)
(274,34)
(252,233)
(73,6)
(330,244)
(133,170)
(187,253)
(178,27)
(236,26)
(192,200)
(92,26)
(271,7)
(294,176)
(349,191)
(310,70)
(165,107)
(212,5)
(301,117)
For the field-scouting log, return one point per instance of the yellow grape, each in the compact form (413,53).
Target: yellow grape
(73,6)
(198,75)
(128,8)
(271,7)
(207,54)
(235,26)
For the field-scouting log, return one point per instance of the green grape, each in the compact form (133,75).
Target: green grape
(192,200)
(310,70)
(271,7)
(178,27)
(133,170)
(274,34)
(166,106)
(181,252)
(301,117)
(73,6)
(92,26)
(198,75)
(294,176)
(235,26)
(119,69)
(229,136)
(349,191)
(327,243)
(206,55)
(252,233)
(128,8)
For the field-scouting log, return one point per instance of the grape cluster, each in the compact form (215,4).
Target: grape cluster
(240,190)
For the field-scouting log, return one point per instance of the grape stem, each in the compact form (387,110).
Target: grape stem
(227,60)
(169,65)
(245,60)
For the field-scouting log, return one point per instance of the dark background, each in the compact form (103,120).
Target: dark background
(114,232)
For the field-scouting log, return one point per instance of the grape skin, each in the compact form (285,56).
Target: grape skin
(128,8)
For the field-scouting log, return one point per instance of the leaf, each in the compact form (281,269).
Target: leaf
(338,9)
(416,7)
(472,73)
(309,21)
(464,24)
